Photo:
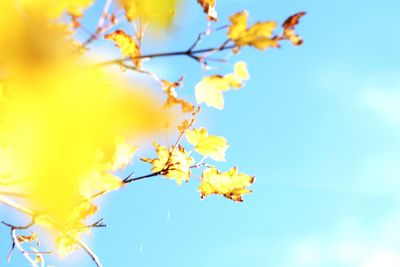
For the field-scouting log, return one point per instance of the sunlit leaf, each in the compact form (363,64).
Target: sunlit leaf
(27,238)
(288,28)
(155,12)
(207,145)
(209,9)
(172,96)
(128,46)
(210,89)
(259,35)
(230,184)
(172,163)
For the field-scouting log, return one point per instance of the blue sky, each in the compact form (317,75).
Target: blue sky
(319,125)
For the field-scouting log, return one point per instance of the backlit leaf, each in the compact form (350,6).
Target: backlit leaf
(207,145)
(209,9)
(258,35)
(127,45)
(172,96)
(288,28)
(172,163)
(230,184)
(156,12)
(210,89)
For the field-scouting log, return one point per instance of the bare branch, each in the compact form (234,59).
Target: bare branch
(189,53)
(12,194)
(11,203)
(88,251)
(21,249)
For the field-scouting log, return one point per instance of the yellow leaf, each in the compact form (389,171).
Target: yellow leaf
(239,75)
(207,145)
(185,125)
(210,89)
(172,96)
(209,8)
(39,257)
(73,227)
(99,182)
(174,163)
(123,155)
(241,71)
(27,238)
(66,242)
(258,35)
(238,25)
(127,45)
(230,184)
(2,92)
(155,12)
(73,114)
(44,220)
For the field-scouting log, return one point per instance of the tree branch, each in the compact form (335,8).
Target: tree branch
(8,202)
(189,53)
(17,244)
(12,194)
(20,248)
(88,251)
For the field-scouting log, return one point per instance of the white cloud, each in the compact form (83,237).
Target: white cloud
(308,253)
(384,258)
(351,244)
(385,103)
(348,251)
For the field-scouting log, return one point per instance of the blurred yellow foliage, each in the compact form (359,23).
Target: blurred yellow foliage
(64,126)
(52,8)
(156,12)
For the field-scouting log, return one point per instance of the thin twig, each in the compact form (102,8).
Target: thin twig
(97,224)
(20,227)
(190,124)
(88,251)
(20,248)
(12,194)
(11,203)
(188,53)
(101,27)
(131,180)
(104,14)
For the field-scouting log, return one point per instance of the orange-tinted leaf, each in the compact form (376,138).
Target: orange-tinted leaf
(27,238)
(127,45)
(293,20)
(172,96)
(288,28)
(209,9)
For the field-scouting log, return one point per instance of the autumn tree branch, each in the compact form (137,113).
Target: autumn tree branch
(189,53)
(17,244)
(88,251)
